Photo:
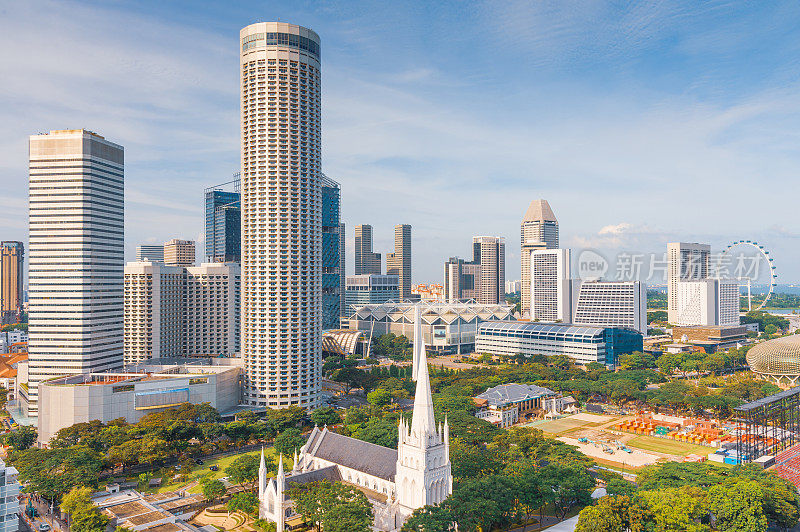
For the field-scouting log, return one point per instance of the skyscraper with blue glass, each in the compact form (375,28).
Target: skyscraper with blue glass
(223,222)
(332,254)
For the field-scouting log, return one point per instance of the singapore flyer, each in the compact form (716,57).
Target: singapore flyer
(747,261)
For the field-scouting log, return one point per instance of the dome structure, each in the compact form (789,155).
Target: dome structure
(777,360)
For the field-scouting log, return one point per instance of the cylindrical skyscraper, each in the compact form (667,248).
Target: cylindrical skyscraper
(281,214)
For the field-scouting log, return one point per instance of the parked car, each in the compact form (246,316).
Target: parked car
(213,468)
(44,527)
(198,461)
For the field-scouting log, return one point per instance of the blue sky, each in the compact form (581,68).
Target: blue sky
(640,122)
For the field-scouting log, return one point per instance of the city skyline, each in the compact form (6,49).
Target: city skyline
(632,130)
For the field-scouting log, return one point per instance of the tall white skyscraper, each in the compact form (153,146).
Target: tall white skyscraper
(539,230)
(550,285)
(281,214)
(76,256)
(685,262)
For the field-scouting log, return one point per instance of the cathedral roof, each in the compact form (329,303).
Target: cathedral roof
(355,454)
(326,473)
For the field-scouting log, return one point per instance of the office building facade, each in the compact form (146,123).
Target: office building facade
(150,253)
(539,230)
(686,261)
(490,253)
(281,214)
(399,262)
(550,287)
(9,498)
(610,304)
(76,256)
(155,305)
(213,307)
(367,262)
(462,280)
(12,268)
(223,222)
(179,252)
(366,289)
(707,302)
(332,242)
(581,343)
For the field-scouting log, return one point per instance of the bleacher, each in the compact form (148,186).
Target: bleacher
(787,465)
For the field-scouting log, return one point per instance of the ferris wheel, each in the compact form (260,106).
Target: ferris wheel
(739,275)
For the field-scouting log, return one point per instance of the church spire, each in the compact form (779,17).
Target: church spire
(422,421)
(419,342)
(262,475)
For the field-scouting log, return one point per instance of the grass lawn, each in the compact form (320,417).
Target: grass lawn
(560,427)
(662,445)
(199,471)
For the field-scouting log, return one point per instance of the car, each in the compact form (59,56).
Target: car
(44,527)
(213,468)
(198,462)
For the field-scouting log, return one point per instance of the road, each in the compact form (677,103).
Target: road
(44,515)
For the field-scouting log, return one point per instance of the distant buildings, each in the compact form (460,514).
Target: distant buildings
(513,287)
(446,327)
(281,214)
(174,311)
(582,343)
(399,262)
(12,269)
(483,278)
(685,262)
(610,304)
(152,253)
(539,230)
(223,209)
(179,253)
(76,257)
(550,292)
(366,289)
(366,261)
(332,254)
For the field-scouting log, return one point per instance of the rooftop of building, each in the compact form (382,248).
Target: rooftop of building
(513,393)
(539,211)
(144,372)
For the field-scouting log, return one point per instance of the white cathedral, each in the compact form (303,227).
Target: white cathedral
(396,482)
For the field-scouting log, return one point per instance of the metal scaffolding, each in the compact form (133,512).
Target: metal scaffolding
(769,425)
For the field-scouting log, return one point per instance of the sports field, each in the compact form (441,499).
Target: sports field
(562,426)
(668,446)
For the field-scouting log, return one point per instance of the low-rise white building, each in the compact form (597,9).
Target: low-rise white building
(507,404)
(146,388)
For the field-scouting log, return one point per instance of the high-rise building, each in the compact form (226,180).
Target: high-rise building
(332,268)
(155,304)
(224,222)
(213,306)
(367,262)
(490,253)
(281,214)
(371,288)
(550,285)
(9,498)
(707,302)
(179,252)
(685,262)
(610,304)
(12,255)
(399,262)
(342,265)
(150,253)
(76,256)
(539,230)
(483,278)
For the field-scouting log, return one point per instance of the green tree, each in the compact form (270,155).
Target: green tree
(213,489)
(88,519)
(738,506)
(332,506)
(243,502)
(244,469)
(379,397)
(288,441)
(379,431)
(264,526)
(78,497)
(53,472)
(677,509)
(566,486)
(429,519)
(325,416)
(21,438)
